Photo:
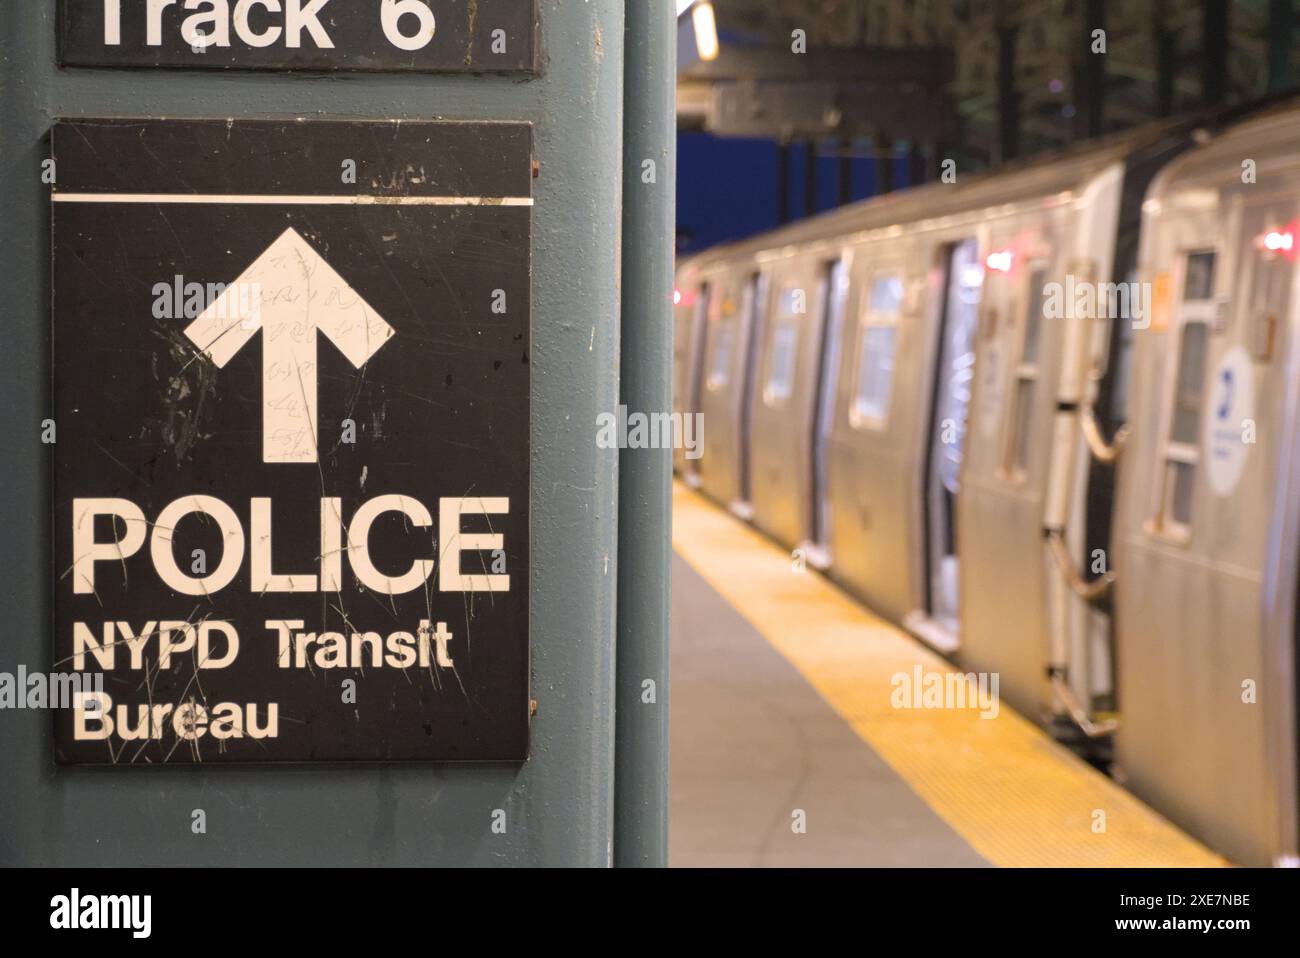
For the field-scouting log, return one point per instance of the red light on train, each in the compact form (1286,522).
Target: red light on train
(677,297)
(1000,261)
(1278,241)
(1281,240)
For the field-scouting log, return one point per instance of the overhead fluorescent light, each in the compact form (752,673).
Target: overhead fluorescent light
(706,30)
(683,6)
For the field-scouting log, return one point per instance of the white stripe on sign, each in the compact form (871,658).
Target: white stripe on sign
(290,200)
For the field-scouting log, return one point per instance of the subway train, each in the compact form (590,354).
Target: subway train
(1047,419)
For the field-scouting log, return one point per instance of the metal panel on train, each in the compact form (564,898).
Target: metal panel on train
(291,482)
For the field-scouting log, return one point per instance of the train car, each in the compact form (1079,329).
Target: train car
(929,394)
(718,296)
(843,363)
(1208,522)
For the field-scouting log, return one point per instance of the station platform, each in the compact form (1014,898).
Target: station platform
(787,751)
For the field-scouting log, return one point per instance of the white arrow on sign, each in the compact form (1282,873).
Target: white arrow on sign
(294,293)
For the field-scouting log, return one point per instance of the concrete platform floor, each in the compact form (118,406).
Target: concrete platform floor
(752,742)
(791,746)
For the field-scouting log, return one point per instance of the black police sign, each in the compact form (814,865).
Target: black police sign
(291,467)
(445,36)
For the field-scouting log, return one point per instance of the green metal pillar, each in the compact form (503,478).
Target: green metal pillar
(559,805)
(645,475)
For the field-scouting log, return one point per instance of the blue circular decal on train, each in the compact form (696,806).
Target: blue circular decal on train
(1229,425)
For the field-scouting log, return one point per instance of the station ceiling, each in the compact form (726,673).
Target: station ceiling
(885,72)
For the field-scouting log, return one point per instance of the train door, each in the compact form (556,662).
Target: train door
(717,448)
(783,405)
(953,379)
(836,285)
(689,365)
(753,309)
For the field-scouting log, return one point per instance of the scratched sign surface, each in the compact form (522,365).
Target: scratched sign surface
(291,470)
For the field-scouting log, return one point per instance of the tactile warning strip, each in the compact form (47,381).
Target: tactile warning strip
(1016,796)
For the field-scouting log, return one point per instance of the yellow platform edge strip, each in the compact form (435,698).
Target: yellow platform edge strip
(1017,797)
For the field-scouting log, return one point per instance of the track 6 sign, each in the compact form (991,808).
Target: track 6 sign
(484,36)
(291,474)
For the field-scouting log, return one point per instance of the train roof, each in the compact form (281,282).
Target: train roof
(1270,135)
(1041,174)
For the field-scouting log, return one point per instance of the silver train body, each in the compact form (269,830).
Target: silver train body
(1048,420)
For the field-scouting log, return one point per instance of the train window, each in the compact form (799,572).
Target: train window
(1198,284)
(875,373)
(1182,452)
(688,346)
(1016,459)
(1186,422)
(1178,491)
(1033,316)
(876,344)
(1019,458)
(793,301)
(720,366)
(785,343)
(887,296)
